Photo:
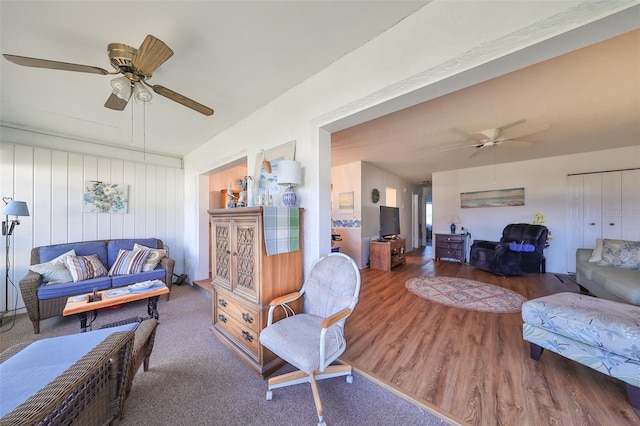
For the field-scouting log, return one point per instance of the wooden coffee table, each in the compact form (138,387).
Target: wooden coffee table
(112,297)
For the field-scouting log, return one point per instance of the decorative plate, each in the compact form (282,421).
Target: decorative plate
(375,195)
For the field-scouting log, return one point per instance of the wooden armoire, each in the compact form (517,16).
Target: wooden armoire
(245,280)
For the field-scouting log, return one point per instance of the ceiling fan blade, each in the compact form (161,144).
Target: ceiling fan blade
(151,54)
(177,97)
(512,143)
(528,130)
(455,148)
(55,65)
(513,124)
(114,102)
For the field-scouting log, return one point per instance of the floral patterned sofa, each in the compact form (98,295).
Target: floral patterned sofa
(601,334)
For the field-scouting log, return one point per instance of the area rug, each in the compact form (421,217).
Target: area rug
(466,294)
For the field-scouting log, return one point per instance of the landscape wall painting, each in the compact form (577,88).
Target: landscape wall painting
(495,198)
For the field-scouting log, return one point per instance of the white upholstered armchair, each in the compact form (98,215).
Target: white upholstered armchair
(313,339)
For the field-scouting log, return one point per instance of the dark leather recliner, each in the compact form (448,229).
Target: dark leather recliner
(499,258)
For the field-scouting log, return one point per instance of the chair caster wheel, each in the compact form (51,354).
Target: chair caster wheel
(349,379)
(269,395)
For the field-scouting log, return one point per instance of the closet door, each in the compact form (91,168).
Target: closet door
(630,214)
(575,218)
(611,205)
(592,210)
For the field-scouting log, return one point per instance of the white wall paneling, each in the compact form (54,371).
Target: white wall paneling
(52,182)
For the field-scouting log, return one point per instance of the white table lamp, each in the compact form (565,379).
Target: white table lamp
(289,174)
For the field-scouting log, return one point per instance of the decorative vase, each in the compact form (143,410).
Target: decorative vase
(453,228)
(250,200)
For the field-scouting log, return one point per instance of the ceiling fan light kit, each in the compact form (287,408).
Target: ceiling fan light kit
(121,87)
(140,93)
(135,65)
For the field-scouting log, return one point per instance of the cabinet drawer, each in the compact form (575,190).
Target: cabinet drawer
(245,335)
(232,309)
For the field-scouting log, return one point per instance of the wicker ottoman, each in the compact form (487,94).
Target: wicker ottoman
(598,333)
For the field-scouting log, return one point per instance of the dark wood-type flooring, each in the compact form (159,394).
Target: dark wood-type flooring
(473,367)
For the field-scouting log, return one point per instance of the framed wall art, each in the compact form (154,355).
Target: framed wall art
(102,197)
(345,202)
(496,198)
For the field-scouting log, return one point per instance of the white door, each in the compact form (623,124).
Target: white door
(415,220)
(611,203)
(601,205)
(630,212)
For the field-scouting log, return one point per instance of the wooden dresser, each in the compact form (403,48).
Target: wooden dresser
(384,255)
(245,280)
(451,246)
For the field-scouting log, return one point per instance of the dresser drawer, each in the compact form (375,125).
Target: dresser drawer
(449,238)
(245,335)
(246,316)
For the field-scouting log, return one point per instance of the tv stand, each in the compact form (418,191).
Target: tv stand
(384,255)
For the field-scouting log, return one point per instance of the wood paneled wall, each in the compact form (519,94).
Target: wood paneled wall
(52,183)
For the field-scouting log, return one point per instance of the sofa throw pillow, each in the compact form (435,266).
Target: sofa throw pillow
(54,271)
(85,267)
(621,254)
(128,262)
(596,254)
(155,255)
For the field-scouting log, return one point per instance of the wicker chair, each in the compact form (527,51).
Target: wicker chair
(91,391)
(48,308)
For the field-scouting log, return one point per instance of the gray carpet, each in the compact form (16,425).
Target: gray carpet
(194,379)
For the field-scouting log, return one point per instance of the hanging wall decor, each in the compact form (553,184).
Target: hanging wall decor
(495,198)
(102,197)
(345,202)
(375,195)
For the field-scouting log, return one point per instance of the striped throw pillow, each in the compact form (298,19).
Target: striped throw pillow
(128,262)
(85,267)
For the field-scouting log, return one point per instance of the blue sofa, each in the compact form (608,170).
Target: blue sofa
(43,300)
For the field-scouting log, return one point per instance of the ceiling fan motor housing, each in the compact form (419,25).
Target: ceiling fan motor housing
(121,56)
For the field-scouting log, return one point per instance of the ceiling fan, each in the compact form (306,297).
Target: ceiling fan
(492,137)
(136,67)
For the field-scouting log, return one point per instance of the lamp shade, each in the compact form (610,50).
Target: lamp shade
(289,173)
(453,218)
(16,208)
(140,93)
(121,87)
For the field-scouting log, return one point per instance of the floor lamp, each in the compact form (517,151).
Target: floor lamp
(11,208)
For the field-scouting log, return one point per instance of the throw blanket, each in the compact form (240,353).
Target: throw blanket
(281,229)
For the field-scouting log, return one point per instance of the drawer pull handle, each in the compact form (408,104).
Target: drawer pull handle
(247,317)
(222,303)
(222,318)
(247,336)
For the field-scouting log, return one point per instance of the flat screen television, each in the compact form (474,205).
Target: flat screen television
(389,221)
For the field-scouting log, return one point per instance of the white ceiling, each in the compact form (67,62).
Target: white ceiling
(232,56)
(236,56)
(582,101)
